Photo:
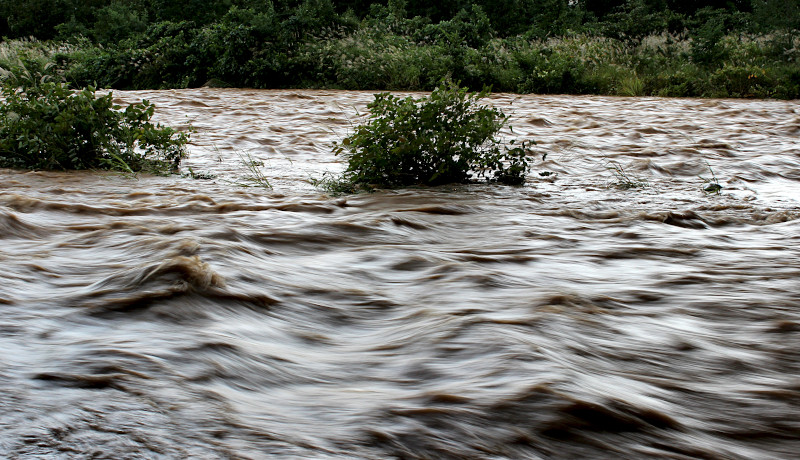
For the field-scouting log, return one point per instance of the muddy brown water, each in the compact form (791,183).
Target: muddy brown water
(171,318)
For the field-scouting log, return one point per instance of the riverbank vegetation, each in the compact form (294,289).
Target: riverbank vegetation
(708,48)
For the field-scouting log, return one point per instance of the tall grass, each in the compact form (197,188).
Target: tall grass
(658,65)
(33,55)
(374,57)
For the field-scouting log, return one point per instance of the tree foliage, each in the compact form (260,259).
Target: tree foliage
(108,20)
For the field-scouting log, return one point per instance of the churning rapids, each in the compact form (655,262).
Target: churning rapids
(171,317)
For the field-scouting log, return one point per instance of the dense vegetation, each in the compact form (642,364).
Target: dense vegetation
(740,48)
(445,138)
(46,125)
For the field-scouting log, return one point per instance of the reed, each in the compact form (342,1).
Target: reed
(624,179)
(254,176)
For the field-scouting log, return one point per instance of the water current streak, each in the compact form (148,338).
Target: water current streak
(567,318)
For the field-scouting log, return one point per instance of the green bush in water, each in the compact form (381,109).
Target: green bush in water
(46,125)
(444,138)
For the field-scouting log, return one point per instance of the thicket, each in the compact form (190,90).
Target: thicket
(448,137)
(46,125)
(739,48)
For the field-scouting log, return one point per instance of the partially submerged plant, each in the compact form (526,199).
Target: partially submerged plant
(711,184)
(255,177)
(46,125)
(444,138)
(199,175)
(335,185)
(625,180)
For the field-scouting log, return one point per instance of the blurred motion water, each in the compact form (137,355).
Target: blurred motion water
(170,317)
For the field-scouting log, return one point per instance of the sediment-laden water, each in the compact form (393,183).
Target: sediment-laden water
(171,318)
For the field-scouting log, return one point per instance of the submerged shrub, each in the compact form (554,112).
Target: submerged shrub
(45,125)
(444,138)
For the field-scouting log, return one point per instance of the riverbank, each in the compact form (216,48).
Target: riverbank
(177,56)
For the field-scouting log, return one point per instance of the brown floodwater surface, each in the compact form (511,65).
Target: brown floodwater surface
(172,318)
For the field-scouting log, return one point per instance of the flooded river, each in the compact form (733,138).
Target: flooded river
(176,318)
